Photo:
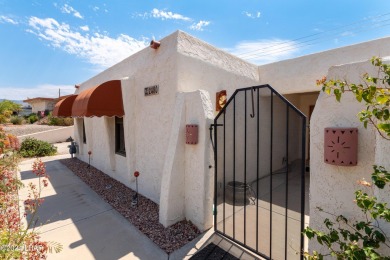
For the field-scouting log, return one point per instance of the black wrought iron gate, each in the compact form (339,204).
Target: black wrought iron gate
(259,140)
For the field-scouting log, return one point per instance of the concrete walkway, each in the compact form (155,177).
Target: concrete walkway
(86,226)
(89,228)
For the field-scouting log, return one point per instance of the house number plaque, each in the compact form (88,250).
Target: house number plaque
(153,90)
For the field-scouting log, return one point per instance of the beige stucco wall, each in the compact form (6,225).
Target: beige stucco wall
(154,125)
(41,105)
(332,187)
(187,183)
(179,65)
(146,119)
(303,101)
(299,75)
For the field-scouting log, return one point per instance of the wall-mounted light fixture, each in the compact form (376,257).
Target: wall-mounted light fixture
(154,44)
(76,86)
(191,134)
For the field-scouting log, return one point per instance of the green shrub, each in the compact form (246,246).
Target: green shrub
(32,118)
(16,120)
(60,121)
(32,147)
(53,120)
(68,121)
(3,119)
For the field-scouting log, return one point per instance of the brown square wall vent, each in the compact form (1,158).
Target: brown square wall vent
(340,146)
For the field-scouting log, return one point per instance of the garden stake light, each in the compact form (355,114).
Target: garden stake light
(134,201)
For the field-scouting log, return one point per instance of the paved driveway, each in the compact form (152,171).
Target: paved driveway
(86,226)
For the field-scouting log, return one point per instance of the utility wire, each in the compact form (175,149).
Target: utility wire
(319,33)
(299,44)
(254,53)
(285,48)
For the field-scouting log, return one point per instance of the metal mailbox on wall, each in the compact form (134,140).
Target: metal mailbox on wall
(340,146)
(191,134)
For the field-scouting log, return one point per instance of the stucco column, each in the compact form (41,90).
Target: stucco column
(332,187)
(172,194)
(199,178)
(187,181)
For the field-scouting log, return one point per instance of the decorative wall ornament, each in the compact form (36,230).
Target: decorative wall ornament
(340,146)
(220,101)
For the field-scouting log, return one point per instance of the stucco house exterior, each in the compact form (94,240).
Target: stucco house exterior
(133,115)
(43,103)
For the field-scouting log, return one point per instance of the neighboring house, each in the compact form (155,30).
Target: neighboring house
(43,103)
(133,115)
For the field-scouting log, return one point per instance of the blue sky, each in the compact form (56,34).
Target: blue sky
(47,45)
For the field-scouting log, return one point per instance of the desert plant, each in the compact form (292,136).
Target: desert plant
(32,147)
(60,121)
(374,91)
(16,120)
(8,142)
(16,240)
(68,121)
(7,107)
(3,119)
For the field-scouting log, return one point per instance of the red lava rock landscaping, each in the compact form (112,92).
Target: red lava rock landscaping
(144,217)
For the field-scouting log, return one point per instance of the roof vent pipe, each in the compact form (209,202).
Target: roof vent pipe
(154,44)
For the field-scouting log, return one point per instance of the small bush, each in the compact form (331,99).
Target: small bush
(68,121)
(60,121)
(32,118)
(53,120)
(16,120)
(32,147)
(3,119)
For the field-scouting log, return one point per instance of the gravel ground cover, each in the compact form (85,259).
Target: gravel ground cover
(19,130)
(144,217)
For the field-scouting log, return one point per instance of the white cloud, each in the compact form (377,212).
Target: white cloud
(97,49)
(84,28)
(265,51)
(252,15)
(98,9)
(67,9)
(168,15)
(163,15)
(46,90)
(6,19)
(347,33)
(199,26)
